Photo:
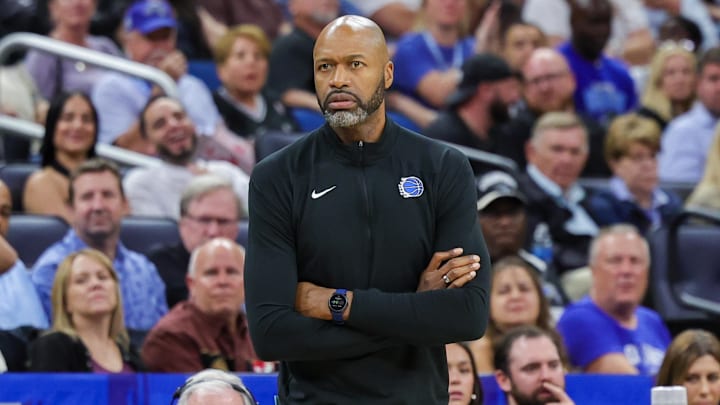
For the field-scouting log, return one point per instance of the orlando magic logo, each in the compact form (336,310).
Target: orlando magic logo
(410,187)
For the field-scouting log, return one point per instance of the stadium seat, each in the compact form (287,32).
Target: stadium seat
(141,234)
(15,175)
(30,235)
(273,141)
(684,279)
(204,70)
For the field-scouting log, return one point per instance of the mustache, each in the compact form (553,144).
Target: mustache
(334,92)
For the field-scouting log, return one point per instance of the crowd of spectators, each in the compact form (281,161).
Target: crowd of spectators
(627,93)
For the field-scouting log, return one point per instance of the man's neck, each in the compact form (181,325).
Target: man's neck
(477,121)
(308,26)
(444,35)
(368,131)
(625,315)
(106,245)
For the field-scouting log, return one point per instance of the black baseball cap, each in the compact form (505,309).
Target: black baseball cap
(495,185)
(479,68)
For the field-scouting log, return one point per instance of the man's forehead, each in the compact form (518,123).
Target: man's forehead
(96,180)
(527,350)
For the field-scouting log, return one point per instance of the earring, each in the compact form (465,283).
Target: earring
(473,397)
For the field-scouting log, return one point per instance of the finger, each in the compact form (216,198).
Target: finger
(439,257)
(461,281)
(461,271)
(559,392)
(461,261)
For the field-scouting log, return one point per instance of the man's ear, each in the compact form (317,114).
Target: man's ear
(389,74)
(503,381)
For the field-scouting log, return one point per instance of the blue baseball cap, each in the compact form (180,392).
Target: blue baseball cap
(146,16)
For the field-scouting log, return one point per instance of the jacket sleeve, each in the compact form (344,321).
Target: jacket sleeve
(277,331)
(441,316)
(57,352)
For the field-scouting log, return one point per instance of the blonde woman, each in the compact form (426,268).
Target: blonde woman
(670,87)
(88,332)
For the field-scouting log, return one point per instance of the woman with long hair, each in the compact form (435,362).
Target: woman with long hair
(516,298)
(464,387)
(88,331)
(70,137)
(693,361)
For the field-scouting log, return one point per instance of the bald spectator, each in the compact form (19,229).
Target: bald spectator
(556,154)
(633,338)
(209,208)
(155,191)
(529,367)
(548,85)
(487,89)
(210,328)
(213,386)
(604,86)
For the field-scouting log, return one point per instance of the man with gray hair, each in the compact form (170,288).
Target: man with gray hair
(209,208)
(556,154)
(212,386)
(632,338)
(209,330)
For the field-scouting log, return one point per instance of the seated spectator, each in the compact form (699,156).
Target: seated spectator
(529,367)
(556,154)
(604,86)
(213,386)
(88,332)
(633,338)
(19,302)
(13,349)
(98,205)
(395,17)
(208,209)
(706,195)
(464,385)
(248,109)
(428,62)
(516,298)
(693,361)
(70,135)
(291,75)
(687,138)
(694,10)
(670,87)
(150,37)
(155,191)
(482,99)
(501,211)
(210,328)
(548,86)
(634,197)
(519,41)
(53,74)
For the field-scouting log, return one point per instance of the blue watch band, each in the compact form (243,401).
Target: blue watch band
(337,304)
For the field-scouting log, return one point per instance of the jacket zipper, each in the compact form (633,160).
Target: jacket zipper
(368,213)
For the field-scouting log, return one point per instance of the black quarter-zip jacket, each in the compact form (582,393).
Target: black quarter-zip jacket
(367,218)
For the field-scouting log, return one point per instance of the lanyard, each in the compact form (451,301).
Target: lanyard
(440,61)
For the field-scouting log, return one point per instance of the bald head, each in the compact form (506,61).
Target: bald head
(348,26)
(549,83)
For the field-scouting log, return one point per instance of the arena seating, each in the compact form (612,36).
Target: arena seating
(30,235)
(15,175)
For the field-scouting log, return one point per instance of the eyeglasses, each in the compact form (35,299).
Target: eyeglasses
(248,397)
(685,44)
(208,220)
(550,77)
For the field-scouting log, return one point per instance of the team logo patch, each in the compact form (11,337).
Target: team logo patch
(410,187)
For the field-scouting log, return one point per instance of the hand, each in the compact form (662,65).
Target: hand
(174,64)
(458,269)
(487,34)
(312,300)
(560,395)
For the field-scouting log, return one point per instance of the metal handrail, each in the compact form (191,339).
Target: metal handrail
(33,131)
(20,40)
(473,154)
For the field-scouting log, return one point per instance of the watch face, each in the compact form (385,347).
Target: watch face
(337,302)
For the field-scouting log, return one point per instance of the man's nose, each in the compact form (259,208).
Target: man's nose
(339,77)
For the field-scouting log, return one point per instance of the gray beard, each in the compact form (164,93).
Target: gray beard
(346,119)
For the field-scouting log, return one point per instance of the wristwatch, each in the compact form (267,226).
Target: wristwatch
(337,304)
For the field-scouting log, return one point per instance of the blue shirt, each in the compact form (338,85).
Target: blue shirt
(685,145)
(142,289)
(604,87)
(19,302)
(417,54)
(589,333)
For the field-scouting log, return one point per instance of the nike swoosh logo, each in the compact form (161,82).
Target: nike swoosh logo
(315,195)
